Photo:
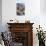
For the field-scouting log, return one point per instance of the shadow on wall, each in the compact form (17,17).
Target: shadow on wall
(0,15)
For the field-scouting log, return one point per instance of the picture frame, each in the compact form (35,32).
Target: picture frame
(20,9)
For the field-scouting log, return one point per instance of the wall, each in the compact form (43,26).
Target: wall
(33,12)
(43,14)
(0,15)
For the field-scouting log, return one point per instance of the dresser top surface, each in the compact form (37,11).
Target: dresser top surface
(19,23)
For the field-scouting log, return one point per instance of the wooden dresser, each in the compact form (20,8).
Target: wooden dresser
(22,33)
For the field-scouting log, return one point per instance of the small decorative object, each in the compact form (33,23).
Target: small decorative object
(20,9)
(41,36)
(14,21)
(27,21)
(11,20)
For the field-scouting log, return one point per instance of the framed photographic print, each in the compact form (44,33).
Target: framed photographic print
(20,9)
